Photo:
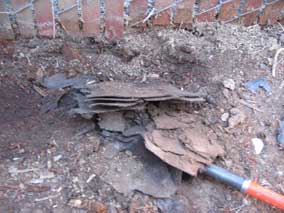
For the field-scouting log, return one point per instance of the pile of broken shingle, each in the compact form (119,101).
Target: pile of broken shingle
(175,138)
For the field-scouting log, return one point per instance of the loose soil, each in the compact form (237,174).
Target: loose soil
(51,162)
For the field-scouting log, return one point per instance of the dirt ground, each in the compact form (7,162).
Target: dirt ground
(51,162)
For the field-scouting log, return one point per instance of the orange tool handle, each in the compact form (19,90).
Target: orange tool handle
(266,195)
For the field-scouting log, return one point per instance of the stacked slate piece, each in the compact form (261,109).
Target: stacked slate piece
(118,96)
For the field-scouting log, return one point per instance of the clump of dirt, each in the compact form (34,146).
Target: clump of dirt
(51,162)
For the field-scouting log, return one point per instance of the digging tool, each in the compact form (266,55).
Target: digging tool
(188,149)
(246,186)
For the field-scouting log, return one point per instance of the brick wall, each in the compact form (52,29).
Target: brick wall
(111,18)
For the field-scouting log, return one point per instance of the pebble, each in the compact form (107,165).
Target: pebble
(49,164)
(229,84)
(57,158)
(129,153)
(36,181)
(45,174)
(76,203)
(153,75)
(258,145)
(237,117)
(225,116)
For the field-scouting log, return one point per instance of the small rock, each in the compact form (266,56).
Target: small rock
(75,179)
(225,117)
(21,151)
(129,153)
(36,181)
(49,164)
(21,186)
(75,203)
(258,145)
(211,100)
(57,158)
(237,117)
(153,75)
(21,55)
(45,174)
(229,84)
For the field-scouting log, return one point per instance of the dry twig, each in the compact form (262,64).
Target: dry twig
(250,105)
(275,61)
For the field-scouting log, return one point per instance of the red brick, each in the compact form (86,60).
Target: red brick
(91,17)
(207,4)
(63,4)
(69,19)
(207,11)
(272,13)
(24,18)
(137,11)
(229,10)
(114,20)
(281,20)
(249,19)
(209,16)
(184,12)
(264,16)
(252,4)
(6,31)
(44,17)
(277,12)
(164,18)
(252,14)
